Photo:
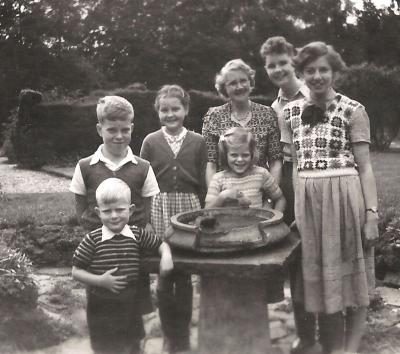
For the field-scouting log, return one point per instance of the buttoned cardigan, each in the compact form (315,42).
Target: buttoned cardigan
(183,173)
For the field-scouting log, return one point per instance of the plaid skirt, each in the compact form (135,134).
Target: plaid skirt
(337,271)
(164,205)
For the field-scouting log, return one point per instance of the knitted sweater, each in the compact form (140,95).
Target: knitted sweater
(183,173)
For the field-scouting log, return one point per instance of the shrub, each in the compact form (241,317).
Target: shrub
(18,291)
(377,89)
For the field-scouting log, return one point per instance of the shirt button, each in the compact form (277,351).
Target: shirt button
(174,168)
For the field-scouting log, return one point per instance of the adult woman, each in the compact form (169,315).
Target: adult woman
(235,82)
(336,199)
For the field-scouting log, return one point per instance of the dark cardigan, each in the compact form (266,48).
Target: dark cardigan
(186,172)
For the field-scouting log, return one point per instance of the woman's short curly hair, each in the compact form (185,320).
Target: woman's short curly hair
(235,64)
(277,45)
(233,137)
(314,50)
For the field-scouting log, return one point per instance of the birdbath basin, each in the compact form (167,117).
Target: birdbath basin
(231,229)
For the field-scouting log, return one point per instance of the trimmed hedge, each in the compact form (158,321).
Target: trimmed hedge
(64,131)
(377,88)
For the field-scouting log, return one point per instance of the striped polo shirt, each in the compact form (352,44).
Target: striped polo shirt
(98,256)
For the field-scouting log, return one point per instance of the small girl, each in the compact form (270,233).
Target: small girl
(178,158)
(241,182)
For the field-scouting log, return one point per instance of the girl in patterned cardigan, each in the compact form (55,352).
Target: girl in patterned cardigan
(335,200)
(241,182)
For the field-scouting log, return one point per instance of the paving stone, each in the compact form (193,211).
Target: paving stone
(390,296)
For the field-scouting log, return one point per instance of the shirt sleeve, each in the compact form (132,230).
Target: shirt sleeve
(270,187)
(211,138)
(359,126)
(145,150)
(150,186)
(77,185)
(83,255)
(148,241)
(286,137)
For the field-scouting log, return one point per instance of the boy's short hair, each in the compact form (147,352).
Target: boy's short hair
(236,136)
(277,45)
(114,108)
(234,64)
(112,190)
(172,91)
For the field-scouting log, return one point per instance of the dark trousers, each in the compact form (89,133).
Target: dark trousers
(288,192)
(114,326)
(175,300)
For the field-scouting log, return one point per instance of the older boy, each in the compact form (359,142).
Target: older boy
(278,55)
(114,158)
(107,260)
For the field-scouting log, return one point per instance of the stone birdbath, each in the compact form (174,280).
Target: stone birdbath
(240,254)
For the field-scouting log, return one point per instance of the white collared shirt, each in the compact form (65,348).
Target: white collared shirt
(278,106)
(150,186)
(107,234)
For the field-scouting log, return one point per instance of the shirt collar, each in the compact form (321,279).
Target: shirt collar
(178,137)
(303,91)
(98,156)
(107,234)
(331,96)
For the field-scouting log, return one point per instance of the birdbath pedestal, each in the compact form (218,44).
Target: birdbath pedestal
(235,290)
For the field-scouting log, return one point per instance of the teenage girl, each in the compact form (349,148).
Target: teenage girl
(336,199)
(241,181)
(178,158)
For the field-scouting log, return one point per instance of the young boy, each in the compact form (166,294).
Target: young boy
(108,260)
(114,158)
(278,55)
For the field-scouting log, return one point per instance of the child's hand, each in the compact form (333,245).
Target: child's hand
(230,194)
(113,283)
(166,264)
(371,232)
(244,201)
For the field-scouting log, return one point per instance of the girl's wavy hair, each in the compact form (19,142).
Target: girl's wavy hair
(314,50)
(235,64)
(172,91)
(233,137)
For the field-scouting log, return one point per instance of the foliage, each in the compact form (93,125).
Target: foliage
(18,291)
(377,89)
(20,210)
(56,130)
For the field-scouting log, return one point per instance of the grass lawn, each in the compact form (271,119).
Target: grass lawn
(386,167)
(58,208)
(41,208)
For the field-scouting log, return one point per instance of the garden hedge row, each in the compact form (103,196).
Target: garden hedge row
(51,132)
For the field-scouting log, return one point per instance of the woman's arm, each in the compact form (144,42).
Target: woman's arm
(275,168)
(368,185)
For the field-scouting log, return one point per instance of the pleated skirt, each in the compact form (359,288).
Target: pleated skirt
(337,271)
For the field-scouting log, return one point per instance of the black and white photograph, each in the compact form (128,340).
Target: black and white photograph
(200,177)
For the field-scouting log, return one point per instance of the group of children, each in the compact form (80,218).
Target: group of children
(125,202)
